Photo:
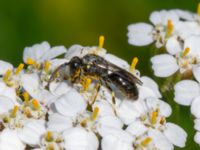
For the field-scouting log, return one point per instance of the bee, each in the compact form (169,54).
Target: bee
(106,73)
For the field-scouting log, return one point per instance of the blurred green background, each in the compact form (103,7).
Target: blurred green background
(66,22)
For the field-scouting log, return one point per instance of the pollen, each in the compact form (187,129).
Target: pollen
(30,61)
(35,104)
(49,136)
(46,66)
(95,114)
(19,68)
(154,116)
(170,28)
(186,51)
(86,84)
(146,141)
(14,112)
(7,75)
(198,9)
(101,41)
(133,64)
(26,97)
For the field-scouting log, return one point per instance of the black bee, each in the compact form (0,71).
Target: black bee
(106,73)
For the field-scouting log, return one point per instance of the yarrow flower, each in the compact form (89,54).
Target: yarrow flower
(80,115)
(176,34)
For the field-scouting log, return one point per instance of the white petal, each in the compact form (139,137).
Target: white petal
(74,50)
(197,124)
(137,128)
(193,43)
(164,65)
(153,104)
(195,107)
(186,29)
(197,138)
(140,34)
(109,121)
(160,141)
(80,139)
(8,92)
(9,140)
(70,104)
(6,104)
(145,92)
(55,63)
(59,88)
(185,15)
(173,46)
(162,17)
(129,111)
(196,73)
(30,83)
(104,107)
(36,52)
(32,132)
(116,139)
(117,61)
(151,84)
(5,66)
(59,123)
(186,91)
(175,134)
(54,52)
(111,142)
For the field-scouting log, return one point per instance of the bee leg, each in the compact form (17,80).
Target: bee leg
(112,92)
(98,89)
(113,95)
(55,74)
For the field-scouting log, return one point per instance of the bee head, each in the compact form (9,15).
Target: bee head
(75,65)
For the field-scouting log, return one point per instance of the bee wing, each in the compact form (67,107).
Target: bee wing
(101,62)
(124,73)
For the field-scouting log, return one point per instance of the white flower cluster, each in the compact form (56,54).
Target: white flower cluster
(176,34)
(74,116)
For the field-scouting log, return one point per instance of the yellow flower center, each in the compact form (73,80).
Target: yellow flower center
(170,28)
(30,61)
(154,116)
(95,114)
(146,141)
(7,75)
(35,104)
(186,51)
(26,97)
(19,68)
(49,136)
(198,9)
(101,41)
(46,66)
(133,64)
(14,112)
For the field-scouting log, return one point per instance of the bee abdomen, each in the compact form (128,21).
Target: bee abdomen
(126,86)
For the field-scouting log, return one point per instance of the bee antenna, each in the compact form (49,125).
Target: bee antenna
(55,73)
